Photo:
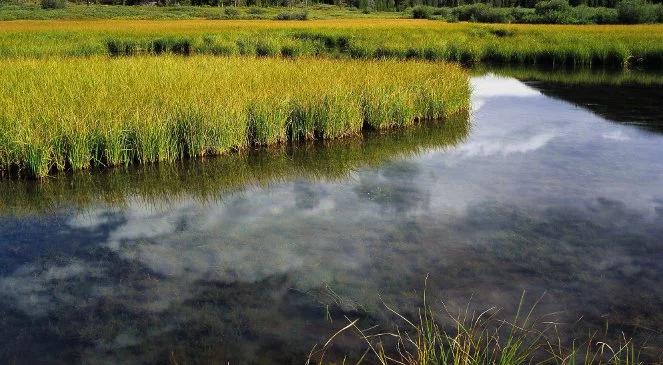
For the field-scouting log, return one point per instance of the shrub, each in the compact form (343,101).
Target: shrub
(551,6)
(444,13)
(636,11)
(122,47)
(231,12)
(53,4)
(482,13)
(421,12)
(520,14)
(267,48)
(594,15)
(299,15)
(256,11)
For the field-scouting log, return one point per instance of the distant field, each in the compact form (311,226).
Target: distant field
(80,12)
(583,45)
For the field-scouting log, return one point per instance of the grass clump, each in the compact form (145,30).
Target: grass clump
(76,114)
(471,337)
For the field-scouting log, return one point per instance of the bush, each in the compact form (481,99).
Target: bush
(53,4)
(421,12)
(584,14)
(637,11)
(231,12)
(300,15)
(256,11)
(122,47)
(482,13)
(444,13)
(267,48)
(551,6)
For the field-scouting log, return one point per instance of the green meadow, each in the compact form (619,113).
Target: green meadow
(618,46)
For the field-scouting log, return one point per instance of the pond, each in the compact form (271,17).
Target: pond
(547,191)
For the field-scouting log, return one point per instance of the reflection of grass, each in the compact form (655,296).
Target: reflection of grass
(206,180)
(479,338)
(75,114)
(576,76)
(616,45)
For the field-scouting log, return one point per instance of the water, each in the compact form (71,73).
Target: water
(254,259)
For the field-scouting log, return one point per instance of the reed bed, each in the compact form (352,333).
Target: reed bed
(559,45)
(210,181)
(77,114)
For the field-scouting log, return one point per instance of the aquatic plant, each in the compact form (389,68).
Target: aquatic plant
(75,114)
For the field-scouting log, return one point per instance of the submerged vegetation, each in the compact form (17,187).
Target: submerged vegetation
(79,113)
(583,46)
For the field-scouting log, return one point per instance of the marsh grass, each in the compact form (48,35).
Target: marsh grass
(78,114)
(598,77)
(561,46)
(209,180)
(470,337)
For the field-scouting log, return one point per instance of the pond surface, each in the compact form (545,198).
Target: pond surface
(255,258)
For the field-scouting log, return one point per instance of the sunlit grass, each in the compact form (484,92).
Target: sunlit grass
(209,180)
(76,113)
(559,45)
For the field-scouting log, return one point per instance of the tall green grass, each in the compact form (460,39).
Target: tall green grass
(207,181)
(618,46)
(76,114)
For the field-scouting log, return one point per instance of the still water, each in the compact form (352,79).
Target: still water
(546,190)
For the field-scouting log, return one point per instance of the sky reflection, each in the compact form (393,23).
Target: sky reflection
(541,196)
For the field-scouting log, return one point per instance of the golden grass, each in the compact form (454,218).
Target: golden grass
(75,114)
(618,45)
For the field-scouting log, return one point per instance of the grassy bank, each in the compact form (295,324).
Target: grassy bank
(80,113)
(613,45)
(207,181)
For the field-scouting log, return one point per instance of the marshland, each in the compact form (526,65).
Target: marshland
(75,114)
(364,182)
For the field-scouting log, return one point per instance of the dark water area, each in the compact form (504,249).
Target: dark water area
(636,105)
(544,189)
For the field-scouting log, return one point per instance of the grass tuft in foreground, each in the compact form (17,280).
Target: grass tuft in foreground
(477,338)
(76,114)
